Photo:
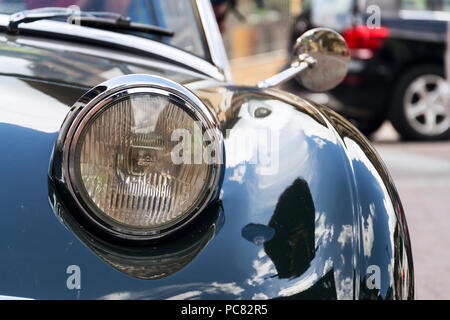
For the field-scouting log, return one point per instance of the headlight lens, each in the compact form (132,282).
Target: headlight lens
(126,167)
(121,160)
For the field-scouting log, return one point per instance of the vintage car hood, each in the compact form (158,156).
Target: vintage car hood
(83,65)
(305,224)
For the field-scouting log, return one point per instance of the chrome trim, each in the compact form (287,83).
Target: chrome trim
(202,84)
(96,101)
(303,62)
(214,38)
(130,41)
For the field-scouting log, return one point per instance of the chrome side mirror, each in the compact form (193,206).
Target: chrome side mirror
(320,61)
(332,56)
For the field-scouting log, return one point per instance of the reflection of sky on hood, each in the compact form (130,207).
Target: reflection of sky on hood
(20,66)
(291,152)
(310,151)
(264,268)
(365,170)
(34,109)
(302,146)
(191,291)
(339,180)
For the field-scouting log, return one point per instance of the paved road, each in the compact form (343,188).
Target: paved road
(421,172)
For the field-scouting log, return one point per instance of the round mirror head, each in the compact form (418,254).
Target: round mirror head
(332,56)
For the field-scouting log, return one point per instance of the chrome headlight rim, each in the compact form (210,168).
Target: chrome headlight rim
(91,106)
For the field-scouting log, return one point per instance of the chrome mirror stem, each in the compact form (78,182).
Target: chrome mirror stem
(303,62)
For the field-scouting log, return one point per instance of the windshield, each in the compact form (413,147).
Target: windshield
(177,15)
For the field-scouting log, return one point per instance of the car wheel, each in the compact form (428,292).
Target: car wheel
(420,110)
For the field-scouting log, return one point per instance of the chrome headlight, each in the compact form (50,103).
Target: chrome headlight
(141,156)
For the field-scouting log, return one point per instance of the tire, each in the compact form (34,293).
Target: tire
(419,109)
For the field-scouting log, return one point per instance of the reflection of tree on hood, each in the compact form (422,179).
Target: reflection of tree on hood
(292,247)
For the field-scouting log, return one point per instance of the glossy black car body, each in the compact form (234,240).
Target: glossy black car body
(314,229)
(404,45)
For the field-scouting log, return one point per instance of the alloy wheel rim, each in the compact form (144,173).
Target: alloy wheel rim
(426,105)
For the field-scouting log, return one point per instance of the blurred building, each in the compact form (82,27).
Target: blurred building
(265,28)
(258,46)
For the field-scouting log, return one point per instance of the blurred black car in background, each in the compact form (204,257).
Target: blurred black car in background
(397,69)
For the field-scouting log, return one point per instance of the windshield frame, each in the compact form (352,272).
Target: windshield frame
(213,37)
(215,64)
